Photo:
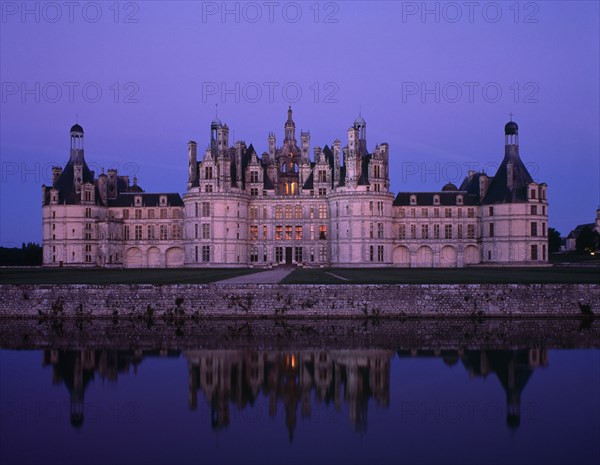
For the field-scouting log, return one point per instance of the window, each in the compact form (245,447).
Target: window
(196,229)
(196,252)
(278,212)
(424,231)
(460,213)
(379,230)
(322,211)
(470,213)
(322,232)
(196,210)
(138,233)
(126,232)
(413,212)
(470,231)
(533,197)
(436,212)
(402,232)
(380,208)
(436,231)
(125,214)
(138,214)
(448,231)
(298,235)
(401,212)
(288,212)
(371,230)
(436,199)
(206,253)
(534,209)
(163,232)
(278,232)
(322,176)
(205,209)
(543,210)
(208,188)
(534,252)
(254,191)
(88,213)
(533,228)
(163,213)
(491,211)
(151,213)
(254,254)
(176,231)
(205,231)
(312,232)
(544,252)
(376,171)
(254,233)
(379,253)
(322,191)
(413,231)
(254,213)
(298,254)
(278,254)
(323,254)
(371,253)
(298,212)
(288,233)
(253,176)
(491,229)
(424,213)
(448,212)
(544,230)
(208,172)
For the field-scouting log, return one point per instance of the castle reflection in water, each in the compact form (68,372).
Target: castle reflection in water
(234,379)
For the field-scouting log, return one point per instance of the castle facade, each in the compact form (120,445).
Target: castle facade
(284,207)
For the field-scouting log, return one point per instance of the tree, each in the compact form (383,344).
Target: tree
(554,240)
(587,241)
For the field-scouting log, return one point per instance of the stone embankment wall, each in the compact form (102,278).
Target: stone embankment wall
(414,334)
(300,301)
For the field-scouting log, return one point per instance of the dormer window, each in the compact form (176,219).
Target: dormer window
(413,199)
(163,200)
(533,193)
(459,200)
(436,199)
(138,200)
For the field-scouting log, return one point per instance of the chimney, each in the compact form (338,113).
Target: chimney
(56,172)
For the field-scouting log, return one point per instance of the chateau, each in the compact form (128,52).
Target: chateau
(282,207)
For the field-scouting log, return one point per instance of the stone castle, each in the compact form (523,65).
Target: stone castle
(284,207)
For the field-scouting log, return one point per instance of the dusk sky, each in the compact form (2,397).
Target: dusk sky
(435,80)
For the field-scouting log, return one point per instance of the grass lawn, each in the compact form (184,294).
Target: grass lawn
(573,275)
(117,276)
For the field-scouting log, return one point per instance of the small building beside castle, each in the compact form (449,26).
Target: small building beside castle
(286,207)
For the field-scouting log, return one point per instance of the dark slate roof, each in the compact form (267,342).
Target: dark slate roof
(342,176)
(364,172)
(499,192)
(66,189)
(148,200)
(449,187)
(426,199)
(309,184)
(76,128)
(267,183)
(471,184)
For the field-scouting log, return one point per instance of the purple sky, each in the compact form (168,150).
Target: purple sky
(382,56)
